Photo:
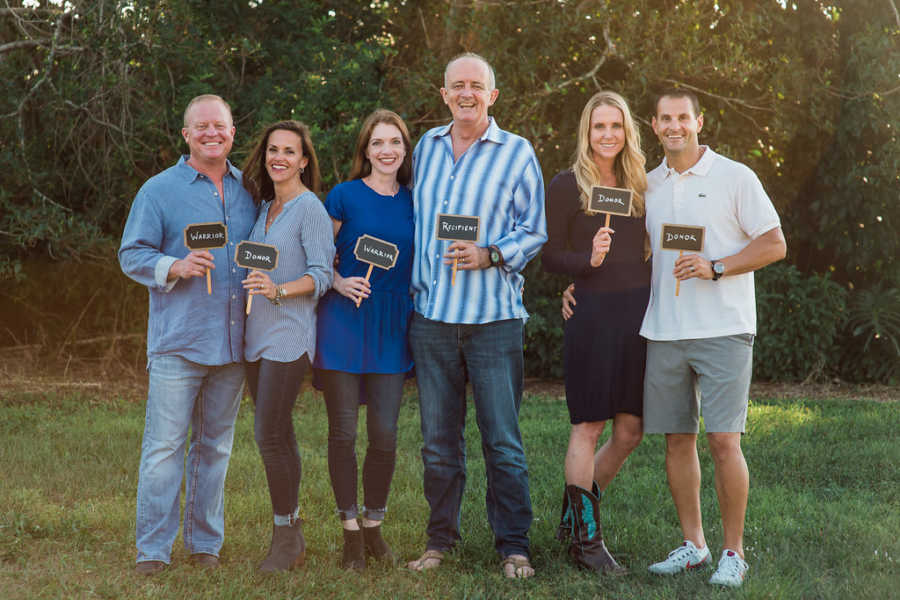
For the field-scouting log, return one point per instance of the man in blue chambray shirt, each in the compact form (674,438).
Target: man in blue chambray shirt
(473,327)
(194,339)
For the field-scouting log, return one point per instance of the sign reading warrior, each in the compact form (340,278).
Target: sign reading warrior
(253,255)
(376,253)
(681,238)
(205,236)
(457,228)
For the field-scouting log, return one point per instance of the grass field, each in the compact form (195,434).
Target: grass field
(823,519)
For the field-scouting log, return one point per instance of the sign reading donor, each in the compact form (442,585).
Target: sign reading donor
(376,253)
(610,200)
(205,236)
(681,238)
(253,255)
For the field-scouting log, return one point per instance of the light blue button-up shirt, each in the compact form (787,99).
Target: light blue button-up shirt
(497,179)
(184,320)
(304,236)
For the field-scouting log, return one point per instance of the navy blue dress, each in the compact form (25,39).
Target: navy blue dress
(603,354)
(373,337)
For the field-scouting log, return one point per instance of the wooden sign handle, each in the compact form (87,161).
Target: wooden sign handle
(368,273)
(249,302)
(208,282)
(453,276)
(607,220)
(678,281)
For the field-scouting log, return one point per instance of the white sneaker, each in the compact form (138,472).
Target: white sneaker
(683,558)
(731,570)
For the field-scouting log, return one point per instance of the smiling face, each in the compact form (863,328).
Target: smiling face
(385,150)
(677,126)
(209,132)
(607,133)
(284,156)
(468,91)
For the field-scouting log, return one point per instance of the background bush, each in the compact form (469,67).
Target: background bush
(805,93)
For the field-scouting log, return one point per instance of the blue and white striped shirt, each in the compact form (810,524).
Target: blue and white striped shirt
(497,179)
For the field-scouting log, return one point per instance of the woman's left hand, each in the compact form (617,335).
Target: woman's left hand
(258,282)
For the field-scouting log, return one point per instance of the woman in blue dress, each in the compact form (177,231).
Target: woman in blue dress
(362,350)
(282,175)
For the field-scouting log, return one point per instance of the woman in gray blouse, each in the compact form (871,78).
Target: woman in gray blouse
(282,175)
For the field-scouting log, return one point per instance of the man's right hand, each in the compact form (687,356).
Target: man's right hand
(194,264)
(568,302)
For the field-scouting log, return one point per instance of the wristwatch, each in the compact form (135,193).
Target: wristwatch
(495,255)
(718,269)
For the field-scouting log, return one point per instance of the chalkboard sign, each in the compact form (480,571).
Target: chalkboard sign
(610,200)
(457,227)
(202,236)
(682,237)
(376,252)
(253,255)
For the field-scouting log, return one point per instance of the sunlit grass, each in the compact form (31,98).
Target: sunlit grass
(823,519)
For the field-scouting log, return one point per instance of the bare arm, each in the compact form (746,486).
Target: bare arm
(764,250)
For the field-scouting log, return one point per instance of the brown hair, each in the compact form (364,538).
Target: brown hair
(361,166)
(256,178)
(674,92)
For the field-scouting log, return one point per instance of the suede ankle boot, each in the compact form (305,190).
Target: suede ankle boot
(376,547)
(288,548)
(354,554)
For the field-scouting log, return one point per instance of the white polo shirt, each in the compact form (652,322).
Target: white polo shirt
(726,198)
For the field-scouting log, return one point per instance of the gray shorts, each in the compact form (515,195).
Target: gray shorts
(684,377)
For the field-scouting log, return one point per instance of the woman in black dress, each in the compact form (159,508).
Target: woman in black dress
(604,356)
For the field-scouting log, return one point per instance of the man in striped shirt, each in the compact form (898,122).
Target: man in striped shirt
(470,324)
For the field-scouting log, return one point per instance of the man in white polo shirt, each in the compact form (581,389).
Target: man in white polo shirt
(700,343)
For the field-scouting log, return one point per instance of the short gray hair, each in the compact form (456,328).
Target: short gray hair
(492,82)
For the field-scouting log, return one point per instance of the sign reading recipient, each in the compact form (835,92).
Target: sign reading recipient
(681,238)
(457,228)
(610,200)
(205,236)
(253,255)
(376,253)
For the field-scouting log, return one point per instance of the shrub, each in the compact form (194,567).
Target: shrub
(871,351)
(799,318)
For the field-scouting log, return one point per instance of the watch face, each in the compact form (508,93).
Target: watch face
(719,268)
(495,257)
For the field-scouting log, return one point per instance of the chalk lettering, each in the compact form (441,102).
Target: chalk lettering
(687,237)
(457,227)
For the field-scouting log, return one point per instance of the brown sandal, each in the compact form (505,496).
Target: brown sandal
(516,566)
(430,560)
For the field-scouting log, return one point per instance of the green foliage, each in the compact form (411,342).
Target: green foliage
(798,320)
(544,328)
(873,335)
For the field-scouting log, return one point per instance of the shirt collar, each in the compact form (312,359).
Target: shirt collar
(493,133)
(191,174)
(701,167)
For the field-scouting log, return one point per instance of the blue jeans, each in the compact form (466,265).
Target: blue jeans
(342,397)
(491,355)
(184,395)
(274,387)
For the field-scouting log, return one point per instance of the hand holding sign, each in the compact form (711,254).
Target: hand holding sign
(203,236)
(375,252)
(458,228)
(253,255)
(681,238)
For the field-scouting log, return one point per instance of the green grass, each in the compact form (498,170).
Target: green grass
(823,519)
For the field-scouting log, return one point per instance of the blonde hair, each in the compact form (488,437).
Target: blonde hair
(629,163)
(205,98)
